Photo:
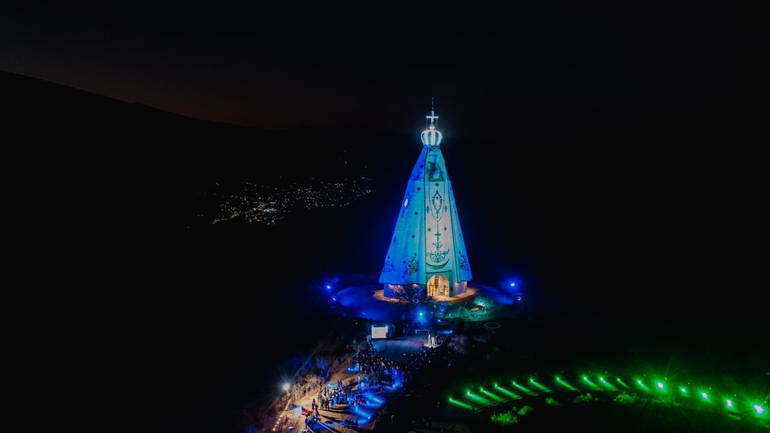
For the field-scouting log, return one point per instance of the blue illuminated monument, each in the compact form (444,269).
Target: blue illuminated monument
(427,253)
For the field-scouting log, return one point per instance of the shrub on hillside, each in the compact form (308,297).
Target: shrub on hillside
(585,398)
(526,409)
(626,398)
(505,419)
(665,400)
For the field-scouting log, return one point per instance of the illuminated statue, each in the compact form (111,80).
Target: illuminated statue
(427,255)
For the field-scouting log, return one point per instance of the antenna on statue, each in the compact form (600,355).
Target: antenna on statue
(431,106)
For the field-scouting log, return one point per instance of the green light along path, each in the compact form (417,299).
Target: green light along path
(734,401)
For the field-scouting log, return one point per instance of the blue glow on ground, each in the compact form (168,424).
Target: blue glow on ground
(372,400)
(363,414)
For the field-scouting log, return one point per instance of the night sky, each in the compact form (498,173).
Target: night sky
(492,70)
(656,113)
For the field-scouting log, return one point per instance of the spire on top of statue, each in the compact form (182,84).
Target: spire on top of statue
(431,136)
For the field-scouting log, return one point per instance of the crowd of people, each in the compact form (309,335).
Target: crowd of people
(369,363)
(374,371)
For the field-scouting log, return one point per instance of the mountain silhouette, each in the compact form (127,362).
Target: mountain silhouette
(137,163)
